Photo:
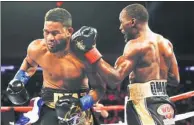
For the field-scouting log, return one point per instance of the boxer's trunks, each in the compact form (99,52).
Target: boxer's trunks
(149,104)
(50,96)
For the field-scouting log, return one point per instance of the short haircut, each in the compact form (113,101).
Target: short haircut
(138,12)
(59,15)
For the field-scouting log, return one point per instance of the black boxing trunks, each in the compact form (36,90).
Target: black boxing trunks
(149,104)
(50,97)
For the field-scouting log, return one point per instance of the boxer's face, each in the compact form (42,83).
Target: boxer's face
(126,25)
(57,37)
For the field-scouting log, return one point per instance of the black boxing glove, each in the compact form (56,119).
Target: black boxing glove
(68,111)
(84,40)
(16,91)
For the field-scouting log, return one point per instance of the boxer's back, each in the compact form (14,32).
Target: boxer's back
(152,63)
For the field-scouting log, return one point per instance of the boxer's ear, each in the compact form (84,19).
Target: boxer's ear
(133,22)
(70,30)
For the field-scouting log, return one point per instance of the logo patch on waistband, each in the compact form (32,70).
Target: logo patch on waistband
(158,87)
(166,110)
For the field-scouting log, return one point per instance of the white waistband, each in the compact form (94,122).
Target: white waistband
(147,89)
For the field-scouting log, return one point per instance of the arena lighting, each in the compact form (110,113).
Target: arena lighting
(12,67)
(189,68)
(4,68)
(59,3)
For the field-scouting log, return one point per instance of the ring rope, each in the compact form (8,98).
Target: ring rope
(184,116)
(177,118)
(108,108)
(182,96)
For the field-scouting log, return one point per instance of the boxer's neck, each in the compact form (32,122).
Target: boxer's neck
(64,52)
(144,30)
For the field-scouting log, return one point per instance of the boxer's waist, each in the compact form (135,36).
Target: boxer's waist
(50,96)
(147,89)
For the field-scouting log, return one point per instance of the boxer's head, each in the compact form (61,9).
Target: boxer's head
(57,29)
(130,18)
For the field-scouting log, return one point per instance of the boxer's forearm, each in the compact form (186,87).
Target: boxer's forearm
(28,68)
(96,95)
(98,86)
(173,80)
(110,74)
(173,73)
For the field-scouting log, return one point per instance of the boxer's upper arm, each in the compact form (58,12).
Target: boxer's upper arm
(126,63)
(173,73)
(32,53)
(29,65)
(123,66)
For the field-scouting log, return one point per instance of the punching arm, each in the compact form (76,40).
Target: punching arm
(115,75)
(84,40)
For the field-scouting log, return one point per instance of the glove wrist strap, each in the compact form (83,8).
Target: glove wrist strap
(22,76)
(86,102)
(93,55)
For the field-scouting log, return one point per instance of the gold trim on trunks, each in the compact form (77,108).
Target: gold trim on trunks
(138,91)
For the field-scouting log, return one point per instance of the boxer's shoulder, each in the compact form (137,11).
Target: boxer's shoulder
(37,44)
(165,46)
(163,42)
(132,48)
(37,47)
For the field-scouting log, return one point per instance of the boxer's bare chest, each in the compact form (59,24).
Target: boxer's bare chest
(61,68)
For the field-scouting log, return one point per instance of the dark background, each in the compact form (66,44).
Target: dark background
(22,22)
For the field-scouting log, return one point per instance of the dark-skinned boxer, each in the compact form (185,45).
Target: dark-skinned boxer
(150,59)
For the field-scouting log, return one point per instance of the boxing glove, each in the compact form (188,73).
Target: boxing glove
(69,109)
(84,41)
(16,91)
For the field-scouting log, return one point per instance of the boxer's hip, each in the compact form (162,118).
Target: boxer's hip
(150,103)
(50,96)
(139,91)
(156,110)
